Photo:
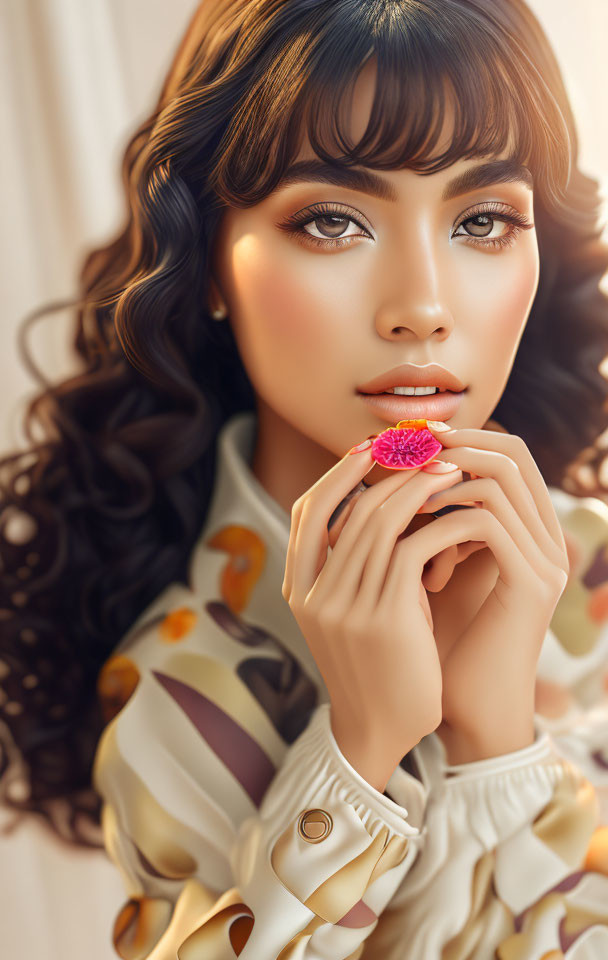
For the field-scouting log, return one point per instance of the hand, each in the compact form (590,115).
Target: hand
(364,613)
(489,672)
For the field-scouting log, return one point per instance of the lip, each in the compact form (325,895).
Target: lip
(414,375)
(392,407)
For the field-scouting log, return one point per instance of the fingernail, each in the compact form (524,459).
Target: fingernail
(440,466)
(437,425)
(361,446)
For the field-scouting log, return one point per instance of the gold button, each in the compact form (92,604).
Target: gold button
(314,825)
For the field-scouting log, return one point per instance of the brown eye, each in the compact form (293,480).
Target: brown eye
(332,226)
(324,226)
(484,228)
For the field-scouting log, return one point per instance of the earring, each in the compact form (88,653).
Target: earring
(219,313)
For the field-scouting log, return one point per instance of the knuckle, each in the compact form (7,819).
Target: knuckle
(558,580)
(486,484)
(384,518)
(518,443)
(435,715)
(430,718)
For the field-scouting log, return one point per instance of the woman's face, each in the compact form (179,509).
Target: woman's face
(408,280)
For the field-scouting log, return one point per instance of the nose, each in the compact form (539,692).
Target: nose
(413,300)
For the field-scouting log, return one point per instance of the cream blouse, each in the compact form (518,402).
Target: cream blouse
(239,828)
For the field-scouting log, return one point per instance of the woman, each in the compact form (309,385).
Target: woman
(355,189)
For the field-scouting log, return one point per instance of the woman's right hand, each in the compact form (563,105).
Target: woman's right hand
(364,612)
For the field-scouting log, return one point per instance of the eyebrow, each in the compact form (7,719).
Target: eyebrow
(358,178)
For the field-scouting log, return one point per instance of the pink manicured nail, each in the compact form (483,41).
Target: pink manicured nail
(438,425)
(440,466)
(361,446)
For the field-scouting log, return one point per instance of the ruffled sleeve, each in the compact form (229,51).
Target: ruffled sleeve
(306,875)
(514,864)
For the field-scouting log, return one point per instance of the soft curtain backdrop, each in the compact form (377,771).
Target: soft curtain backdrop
(76,77)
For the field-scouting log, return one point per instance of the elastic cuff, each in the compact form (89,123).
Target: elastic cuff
(354,788)
(542,749)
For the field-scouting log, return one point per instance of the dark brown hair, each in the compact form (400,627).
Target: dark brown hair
(102,512)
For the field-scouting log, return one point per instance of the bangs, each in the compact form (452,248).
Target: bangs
(429,55)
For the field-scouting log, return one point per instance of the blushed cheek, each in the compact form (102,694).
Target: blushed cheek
(509,300)
(519,296)
(277,297)
(280,326)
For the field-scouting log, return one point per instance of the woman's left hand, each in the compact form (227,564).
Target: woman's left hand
(489,671)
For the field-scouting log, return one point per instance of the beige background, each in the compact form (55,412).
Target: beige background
(75,77)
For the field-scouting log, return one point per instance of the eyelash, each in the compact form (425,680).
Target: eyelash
(294,225)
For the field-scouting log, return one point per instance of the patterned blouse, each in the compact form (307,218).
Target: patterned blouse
(239,828)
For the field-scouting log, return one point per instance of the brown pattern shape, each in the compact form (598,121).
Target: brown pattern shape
(116,682)
(177,624)
(596,573)
(283,689)
(237,750)
(358,916)
(139,925)
(247,552)
(223,933)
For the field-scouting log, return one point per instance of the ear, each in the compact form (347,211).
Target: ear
(215,298)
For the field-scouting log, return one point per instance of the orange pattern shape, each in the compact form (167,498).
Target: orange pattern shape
(223,933)
(597,607)
(597,853)
(247,552)
(116,682)
(177,624)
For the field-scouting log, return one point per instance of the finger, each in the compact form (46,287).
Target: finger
(506,471)
(516,449)
(363,552)
(374,495)
(342,512)
(413,551)
(525,532)
(324,495)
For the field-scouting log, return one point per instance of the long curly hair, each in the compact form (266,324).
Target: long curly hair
(103,508)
